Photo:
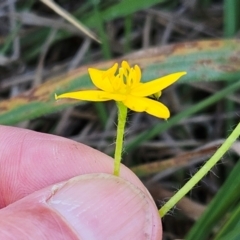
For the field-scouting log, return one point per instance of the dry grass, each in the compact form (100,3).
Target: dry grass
(37,44)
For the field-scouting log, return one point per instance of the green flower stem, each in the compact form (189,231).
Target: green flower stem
(122,116)
(202,172)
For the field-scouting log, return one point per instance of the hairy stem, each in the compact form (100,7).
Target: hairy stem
(122,116)
(202,172)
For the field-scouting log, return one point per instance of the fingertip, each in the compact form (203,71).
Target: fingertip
(102,206)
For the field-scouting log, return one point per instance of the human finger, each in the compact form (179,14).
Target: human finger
(92,206)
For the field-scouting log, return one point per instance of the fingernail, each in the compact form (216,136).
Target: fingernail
(102,206)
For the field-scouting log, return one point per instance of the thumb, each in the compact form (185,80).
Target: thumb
(93,206)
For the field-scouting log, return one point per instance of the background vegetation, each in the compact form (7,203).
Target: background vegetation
(42,54)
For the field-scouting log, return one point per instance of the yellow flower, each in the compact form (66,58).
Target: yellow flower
(125,87)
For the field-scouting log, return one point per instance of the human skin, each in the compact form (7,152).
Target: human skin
(55,188)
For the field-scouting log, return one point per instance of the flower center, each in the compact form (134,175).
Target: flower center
(124,81)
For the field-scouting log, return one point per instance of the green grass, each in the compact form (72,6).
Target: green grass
(204,62)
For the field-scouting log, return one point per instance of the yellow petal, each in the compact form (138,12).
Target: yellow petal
(92,95)
(139,104)
(156,85)
(102,79)
(112,70)
(88,95)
